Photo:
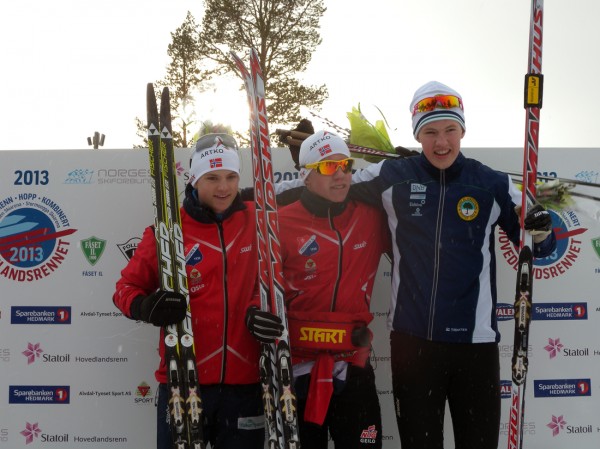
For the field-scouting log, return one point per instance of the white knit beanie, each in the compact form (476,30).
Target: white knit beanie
(431,89)
(317,147)
(214,152)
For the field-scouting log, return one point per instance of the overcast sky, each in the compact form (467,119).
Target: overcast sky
(71,67)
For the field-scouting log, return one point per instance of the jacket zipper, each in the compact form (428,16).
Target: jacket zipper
(437,249)
(339,265)
(225,300)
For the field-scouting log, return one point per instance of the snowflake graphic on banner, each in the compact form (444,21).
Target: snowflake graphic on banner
(557,424)
(553,347)
(32,352)
(31,431)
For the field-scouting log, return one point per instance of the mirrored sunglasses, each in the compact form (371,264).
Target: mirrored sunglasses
(437,102)
(328,168)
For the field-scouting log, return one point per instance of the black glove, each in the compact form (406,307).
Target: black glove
(361,336)
(161,308)
(538,222)
(305,126)
(264,326)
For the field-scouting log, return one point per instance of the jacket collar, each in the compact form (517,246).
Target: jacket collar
(319,206)
(451,172)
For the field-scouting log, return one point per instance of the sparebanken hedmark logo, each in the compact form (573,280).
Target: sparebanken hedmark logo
(568,231)
(34,237)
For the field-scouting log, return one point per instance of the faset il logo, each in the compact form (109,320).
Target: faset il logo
(92,248)
(34,237)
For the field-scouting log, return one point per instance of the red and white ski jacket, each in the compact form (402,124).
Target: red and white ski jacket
(331,253)
(221,263)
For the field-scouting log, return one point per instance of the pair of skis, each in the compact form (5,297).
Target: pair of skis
(185,406)
(279,399)
(524,286)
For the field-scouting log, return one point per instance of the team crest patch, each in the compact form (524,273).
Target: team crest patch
(194,255)
(307,245)
(310,266)
(467,208)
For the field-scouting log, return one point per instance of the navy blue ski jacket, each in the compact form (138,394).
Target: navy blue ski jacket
(442,224)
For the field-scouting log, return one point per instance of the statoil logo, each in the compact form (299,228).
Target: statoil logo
(568,230)
(558,425)
(34,352)
(34,239)
(555,347)
(33,432)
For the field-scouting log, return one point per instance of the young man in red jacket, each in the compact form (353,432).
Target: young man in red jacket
(331,248)
(219,235)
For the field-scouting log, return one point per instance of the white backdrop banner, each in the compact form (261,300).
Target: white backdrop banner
(77,374)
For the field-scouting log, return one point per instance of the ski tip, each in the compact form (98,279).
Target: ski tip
(165,94)
(150,95)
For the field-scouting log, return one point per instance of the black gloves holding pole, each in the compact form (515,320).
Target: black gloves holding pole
(264,326)
(161,308)
(538,222)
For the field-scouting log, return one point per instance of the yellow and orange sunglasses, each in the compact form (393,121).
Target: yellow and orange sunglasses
(328,168)
(439,101)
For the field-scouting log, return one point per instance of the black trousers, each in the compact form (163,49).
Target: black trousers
(426,374)
(354,417)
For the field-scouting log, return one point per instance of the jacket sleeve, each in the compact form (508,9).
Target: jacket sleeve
(140,276)
(366,186)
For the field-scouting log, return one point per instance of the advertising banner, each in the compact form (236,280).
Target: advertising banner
(78,374)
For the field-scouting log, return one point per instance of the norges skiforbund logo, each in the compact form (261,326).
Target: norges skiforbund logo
(34,234)
(568,230)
